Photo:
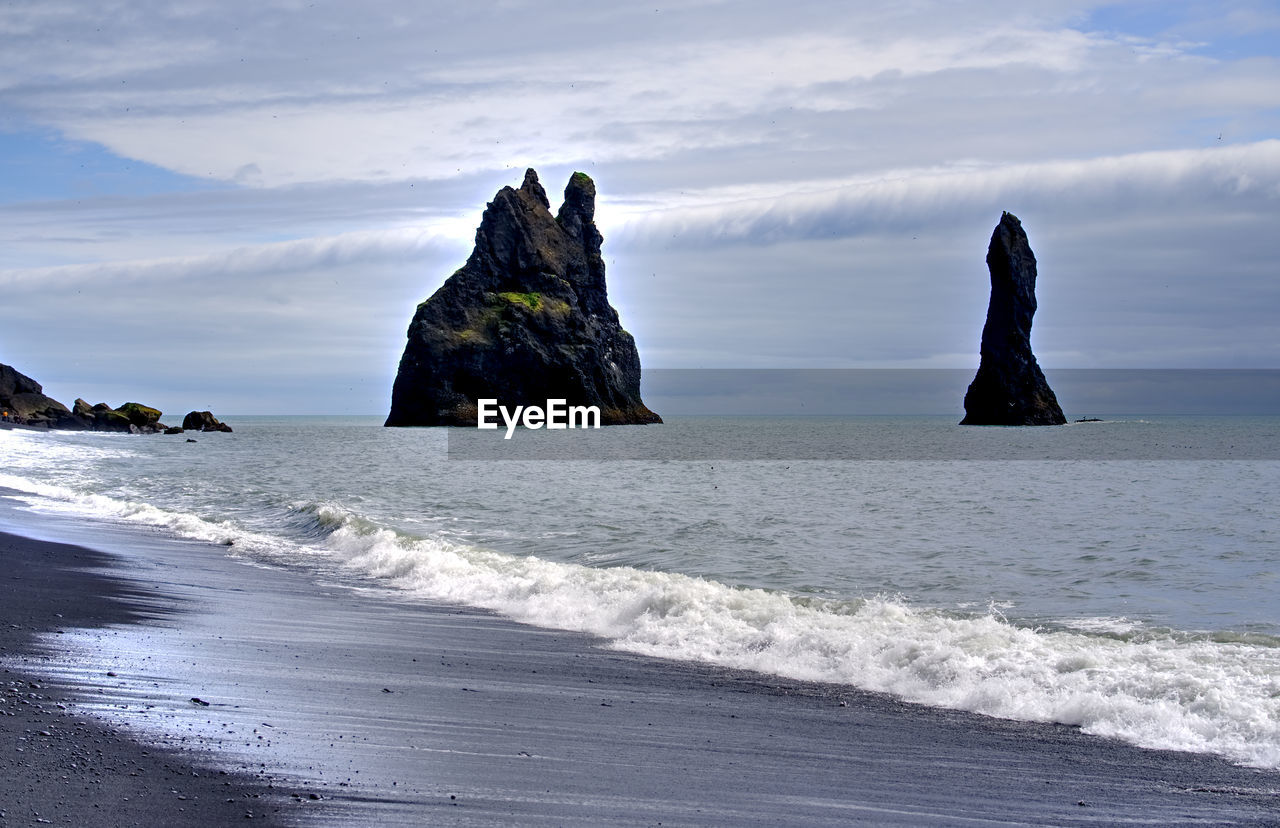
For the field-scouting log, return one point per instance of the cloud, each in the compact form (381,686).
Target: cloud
(781,185)
(898,201)
(288,94)
(885,272)
(240,264)
(1133,251)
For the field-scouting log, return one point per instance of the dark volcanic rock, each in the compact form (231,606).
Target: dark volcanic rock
(140,415)
(1010,388)
(203,421)
(24,400)
(525,320)
(143,419)
(106,418)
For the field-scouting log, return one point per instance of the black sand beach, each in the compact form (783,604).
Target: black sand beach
(60,767)
(407,713)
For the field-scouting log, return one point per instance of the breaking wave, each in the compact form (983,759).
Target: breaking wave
(1111,677)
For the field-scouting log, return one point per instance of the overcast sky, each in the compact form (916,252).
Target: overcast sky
(237,205)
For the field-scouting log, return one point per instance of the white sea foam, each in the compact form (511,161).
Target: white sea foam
(1167,692)
(1114,626)
(1163,691)
(33,450)
(57,499)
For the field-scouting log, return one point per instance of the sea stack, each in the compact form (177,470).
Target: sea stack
(203,421)
(527,319)
(1010,389)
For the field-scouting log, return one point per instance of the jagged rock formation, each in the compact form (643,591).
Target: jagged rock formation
(23,401)
(203,421)
(525,320)
(1010,388)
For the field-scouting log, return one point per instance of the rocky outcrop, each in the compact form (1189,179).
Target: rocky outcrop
(203,421)
(131,417)
(142,417)
(22,400)
(1010,388)
(100,417)
(525,320)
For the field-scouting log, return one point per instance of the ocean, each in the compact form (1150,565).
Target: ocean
(1138,599)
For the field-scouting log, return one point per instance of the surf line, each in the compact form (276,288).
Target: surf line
(557,414)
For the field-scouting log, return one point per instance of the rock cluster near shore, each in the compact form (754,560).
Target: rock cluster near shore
(525,320)
(203,421)
(23,402)
(1009,388)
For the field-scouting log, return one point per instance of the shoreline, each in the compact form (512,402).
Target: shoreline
(62,767)
(400,712)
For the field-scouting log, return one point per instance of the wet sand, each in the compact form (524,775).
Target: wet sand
(61,767)
(398,712)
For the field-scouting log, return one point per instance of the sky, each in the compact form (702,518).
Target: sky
(236,206)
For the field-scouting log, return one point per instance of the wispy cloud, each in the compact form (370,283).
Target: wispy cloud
(240,264)
(902,200)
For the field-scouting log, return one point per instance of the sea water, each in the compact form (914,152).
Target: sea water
(1136,598)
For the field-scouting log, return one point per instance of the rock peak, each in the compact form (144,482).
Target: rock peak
(580,196)
(533,187)
(578,210)
(525,320)
(1010,388)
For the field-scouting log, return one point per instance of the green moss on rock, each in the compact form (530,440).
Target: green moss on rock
(526,319)
(139,414)
(532,301)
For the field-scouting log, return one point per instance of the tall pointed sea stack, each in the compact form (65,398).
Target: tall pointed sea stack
(527,319)
(1010,388)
